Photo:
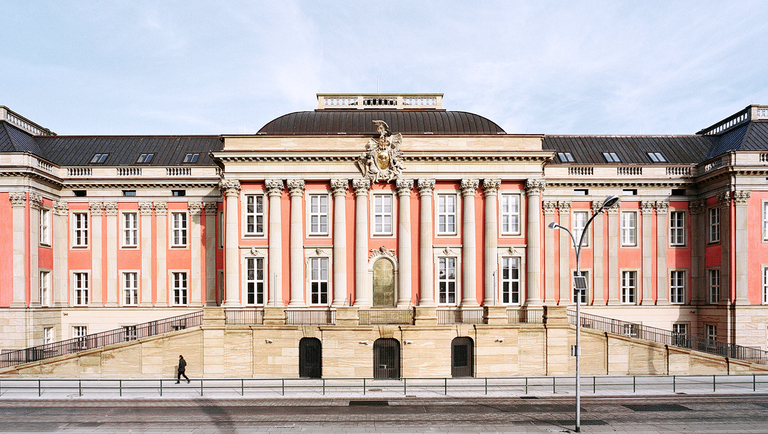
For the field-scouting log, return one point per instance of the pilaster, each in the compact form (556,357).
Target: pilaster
(740,200)
(533,190)
(598,259)
(490,189)
(469,248)
(196,239)
(275,192)
(698,232)
(613,255)
(96,210)
(35,205)
(549,207)
(404,189)
(161,239)
(60,249)
(646,211)
(426,261)
(361,187)
(19,208)
(110,210)
(339,189)
(231,189)
(145,215)
(724,202)
(566,245)
(210,209)
(662,280)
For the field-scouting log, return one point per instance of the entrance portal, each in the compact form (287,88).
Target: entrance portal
(310,358)
(462,357)
(386,358)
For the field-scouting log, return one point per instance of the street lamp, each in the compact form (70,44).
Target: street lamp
(580,283)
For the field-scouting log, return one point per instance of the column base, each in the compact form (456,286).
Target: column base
(18,305)
(111,304)
(647,302)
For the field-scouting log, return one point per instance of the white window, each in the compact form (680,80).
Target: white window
(765,221)
(628,287)
(711,331)
(565,157)
(446,280)
(47,335)
(714,225)
(179,288)
(657,157)
(680,335)
(580,292)
(577,227)
(130,229)
(510,214)
(45,227)
(81,288)
(677,228)
(130,333)
(510,280)
(611,157)
(80,229)
(382,214)
(45,288)
(179,228)
(79,333)
(446,214)
(318,214)
(130,288)
(221,230)
(254,281)
(628,228)
(677,287)
(254,214)
(713,285)
(765,285)
(318,280)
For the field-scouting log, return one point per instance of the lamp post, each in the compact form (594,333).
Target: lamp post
(579,282)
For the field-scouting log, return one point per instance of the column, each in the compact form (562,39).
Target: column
(740,199)
(566,246)
(361,187)
(60,249)
(533,189)
(662,280)
(275,193)
(339,191)
(549,208)
(110,209)
(724,202)
(491,191)
(35,205)
(195,244)
(646,211)
(19,205)
(404,188)
(613,255)
(598,294)
(469,247)
(426,261)
(161,239)
(698,233)
(145,212)
(97,210)
(231,188)
(296,189)
(210,209)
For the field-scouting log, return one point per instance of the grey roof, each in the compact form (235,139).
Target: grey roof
(360,122)
(13,139)
(752,136)
(631,149)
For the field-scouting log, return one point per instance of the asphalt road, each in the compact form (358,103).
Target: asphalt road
(693,414)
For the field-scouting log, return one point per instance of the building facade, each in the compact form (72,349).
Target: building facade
(387,203)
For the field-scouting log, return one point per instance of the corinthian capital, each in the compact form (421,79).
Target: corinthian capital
(60,208)
(230,187)
(110,208)
(18,199)
(274,187)
(339,187)
(741,197)
(361,186)
(534,186)
(404,187)
(426,186)
(296,187)
(469,187)
(491,186)
(96,208)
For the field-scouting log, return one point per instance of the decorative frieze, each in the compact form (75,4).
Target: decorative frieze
(661,207)
(646,207)
(18,199)
(491,186)
(145,208)
(274,187)
(339,186)
(230,187)
(382,252)
(469,187)
(60,208)
(549,206)
(195,208)
(404,187)
(534,186)
(210,208)
(161,208)
(426,187)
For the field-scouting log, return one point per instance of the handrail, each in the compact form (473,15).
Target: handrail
(95,340)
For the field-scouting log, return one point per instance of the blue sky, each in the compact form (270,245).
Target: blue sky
(554,67)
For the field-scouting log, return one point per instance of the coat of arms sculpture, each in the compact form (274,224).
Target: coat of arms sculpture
(382,159)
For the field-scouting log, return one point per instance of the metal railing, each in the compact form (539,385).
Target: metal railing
(525,316)
(238,316)
(460,316)
(101,339)
(385,316)
(305,316)
(666,337)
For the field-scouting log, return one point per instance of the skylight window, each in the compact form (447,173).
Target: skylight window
(191,158)
(565,157)
(145,158)
(657,157)
(99,158)
(611,157)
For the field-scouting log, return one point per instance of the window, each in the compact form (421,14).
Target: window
(678,192)
(179,288)
(178,193)
(713,285)
(677,228)
(130,333)
(446,214)
(79,333)
(628,228)
(657,157)
(318,214)
(446,280)
(581,192)
(45,288)
(318,280)
(765,285)
(611,157)
(45,227)
(80,235)
(711,331)
(680,335)
(510,214)
(714,225)
(81,289)
(130,288)
(677,287)
(145,158)
(254,214)
(99,158)
(130,229)
(510,280)
(583,291)
(191,158)
(579,222)
(254,281)
(629,192)
(765,221)
(565,157)
(179,222)
(129,193)
(628,287)
(80,193)
(221,230)
(632,330)
(47,335)
(382,214)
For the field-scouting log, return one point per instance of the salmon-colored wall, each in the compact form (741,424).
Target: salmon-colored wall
(757,248)
(6,258)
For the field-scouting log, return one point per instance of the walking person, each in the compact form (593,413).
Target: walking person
(182,369)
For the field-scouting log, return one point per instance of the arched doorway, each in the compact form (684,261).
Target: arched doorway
(310,358)
(386,358)
(462,357)
(384,283)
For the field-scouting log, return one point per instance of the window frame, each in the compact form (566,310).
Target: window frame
(46,296)
(710,334)
(677,234)
(387,229)
(714,285)
(319,280)
(628,231)
(80,230)
(443,225)
(129,233)
(512,226)
(577,230)
(565,157)
(252,216)
(713,225)
(179,287)
(611,157)
(80,293)
(585,293)
(509,293)
(628,291)
(191,158)
(130,294)
(678,286)
(179,233)
(444,283)
(48,335)
(45,227)
(318,221)
(255,286)
(765,284)
(145,158)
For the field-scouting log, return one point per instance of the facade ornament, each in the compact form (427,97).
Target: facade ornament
(404,187)
(210,208)
(469,187)
(426,186)
(296,187)
(161,208)
(724,199)
(60,208)
(274,187)
(361,186)
(564,207)
(96,208)
(382,159)
(661,207)
(230,187)
(697,207)
(447,251)
(382,252)
(320,252)
(35,201)
(18,199)
(195,208)
(339,186)
(110,208)
(512,251)
(741,197)
(145,208)
(549,206)
(491,186)
(254,251)
(646,207)
(534,186)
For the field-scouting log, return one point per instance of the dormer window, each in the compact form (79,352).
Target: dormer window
(191,158)
(99,158)
(657,157)
(611,157)
(565,157)
(145,158)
